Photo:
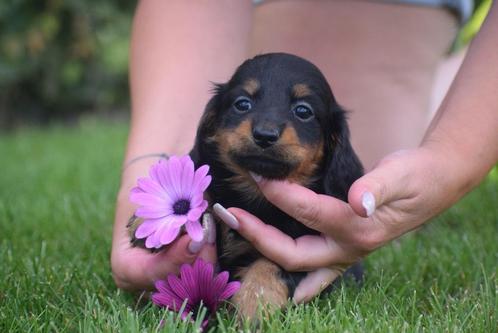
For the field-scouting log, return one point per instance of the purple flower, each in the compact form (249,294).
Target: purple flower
(197,285)
(169,199)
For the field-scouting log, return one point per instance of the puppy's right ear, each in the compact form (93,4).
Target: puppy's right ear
(207,125)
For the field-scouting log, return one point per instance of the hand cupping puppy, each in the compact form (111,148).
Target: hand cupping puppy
(401,193)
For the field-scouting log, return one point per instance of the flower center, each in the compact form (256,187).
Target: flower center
(181,207)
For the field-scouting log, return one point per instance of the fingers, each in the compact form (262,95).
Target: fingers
(314,283)
(386,182)
(138,269)
(168,261)
(320,212)
(208,251)
(209,234)
(301,254)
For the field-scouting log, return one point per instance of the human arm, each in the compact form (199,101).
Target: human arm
(177,48)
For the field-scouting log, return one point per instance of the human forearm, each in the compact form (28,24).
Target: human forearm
(465,128)
(177,49)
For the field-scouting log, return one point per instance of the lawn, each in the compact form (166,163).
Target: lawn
(57,189)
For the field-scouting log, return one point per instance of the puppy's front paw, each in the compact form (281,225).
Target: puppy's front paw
(262,287)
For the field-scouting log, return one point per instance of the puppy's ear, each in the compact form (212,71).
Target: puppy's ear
(208,123)
(342,166)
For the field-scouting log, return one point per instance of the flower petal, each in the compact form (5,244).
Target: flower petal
(175,172)
(187,176)
(200,173)
(164,179)
(205,277)
(147,228)
(162,285)
(194,230)
(147,199)
(167,299)
(152,241)
(203,205)
(185,159)
(168,233)
(179,220)
(203,184)
(153,212)
(136,190)
(195,214)
(189,278)
(196,199)
(178,287)
(150,186)
(219,284)
(230,289)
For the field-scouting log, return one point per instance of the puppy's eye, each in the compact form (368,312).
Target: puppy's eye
(242,104)
(303,112)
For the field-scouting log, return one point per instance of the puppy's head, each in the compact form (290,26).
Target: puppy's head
(277,117)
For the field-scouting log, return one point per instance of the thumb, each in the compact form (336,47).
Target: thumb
(386,182)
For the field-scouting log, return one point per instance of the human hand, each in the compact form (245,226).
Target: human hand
(403,191)
(136,268)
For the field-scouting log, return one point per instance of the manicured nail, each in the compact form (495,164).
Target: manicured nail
(368,202)
(195,247)
(226,216)
(257,178)
(209,228)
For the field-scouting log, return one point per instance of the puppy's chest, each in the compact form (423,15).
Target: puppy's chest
(262,209)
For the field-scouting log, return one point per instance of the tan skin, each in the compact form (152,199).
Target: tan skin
(177,48)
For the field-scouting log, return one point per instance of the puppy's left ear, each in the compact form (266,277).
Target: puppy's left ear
(342,166)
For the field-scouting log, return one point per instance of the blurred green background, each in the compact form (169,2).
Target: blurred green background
(62,58)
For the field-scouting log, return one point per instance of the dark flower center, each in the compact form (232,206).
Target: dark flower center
(181,207)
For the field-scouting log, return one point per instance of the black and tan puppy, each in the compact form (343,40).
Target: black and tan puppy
(276,117)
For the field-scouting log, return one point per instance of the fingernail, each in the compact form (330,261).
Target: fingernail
(368,202)
(257,178)
(226,216)
(195,247)
(209,228)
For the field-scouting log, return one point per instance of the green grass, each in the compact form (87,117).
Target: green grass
(57,189)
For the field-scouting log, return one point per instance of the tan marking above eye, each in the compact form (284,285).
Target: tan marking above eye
(251,86)
(301,90)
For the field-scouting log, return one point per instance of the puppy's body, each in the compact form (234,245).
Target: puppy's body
(276,117)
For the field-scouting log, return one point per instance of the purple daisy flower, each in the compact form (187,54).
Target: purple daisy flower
(197,285)
(169,199)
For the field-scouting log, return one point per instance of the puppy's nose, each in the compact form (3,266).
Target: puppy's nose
(265,136)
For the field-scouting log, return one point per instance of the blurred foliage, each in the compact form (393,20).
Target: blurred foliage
(59,58)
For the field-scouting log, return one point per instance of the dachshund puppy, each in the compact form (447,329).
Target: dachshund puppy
(276,117)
